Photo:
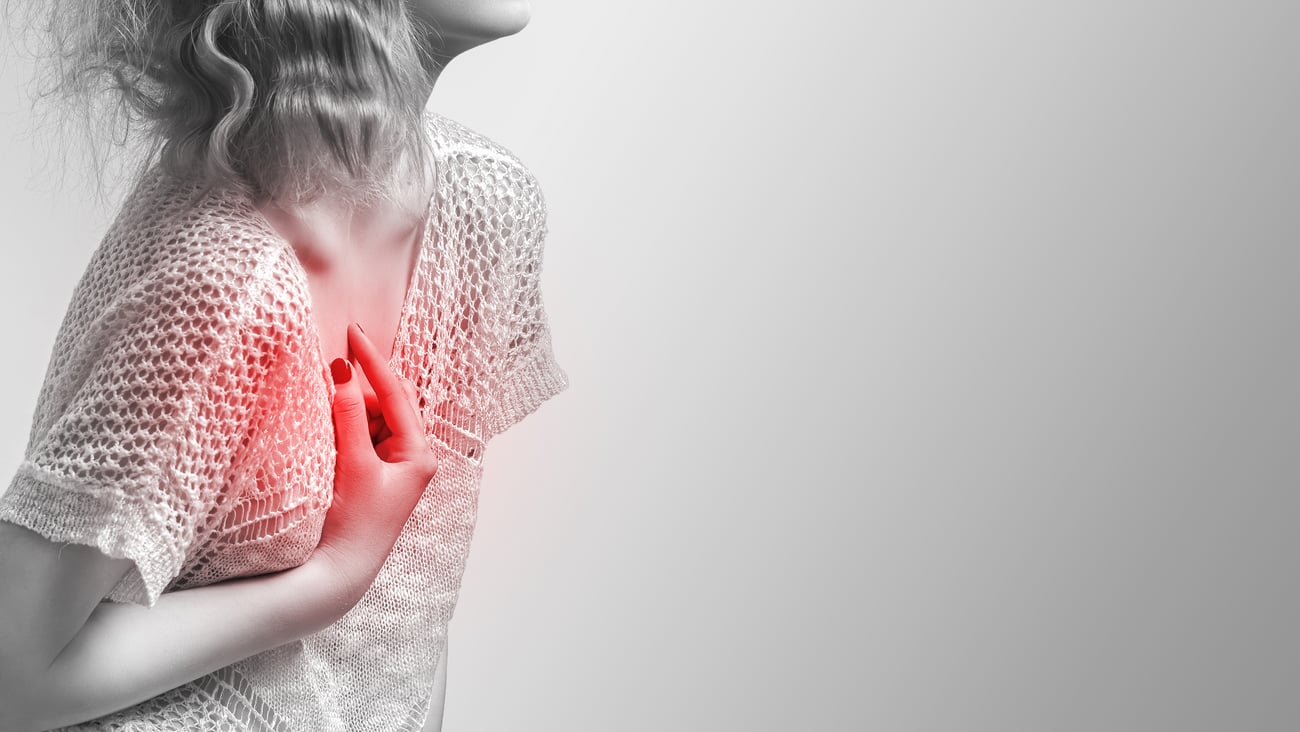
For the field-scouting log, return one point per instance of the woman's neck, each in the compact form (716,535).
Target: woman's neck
(329,227)
(333,224)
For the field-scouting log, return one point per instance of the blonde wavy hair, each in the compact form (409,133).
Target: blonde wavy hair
(285,100)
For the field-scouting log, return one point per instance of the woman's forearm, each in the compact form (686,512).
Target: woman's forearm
(126,654)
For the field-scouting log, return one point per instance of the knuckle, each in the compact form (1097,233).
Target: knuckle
(430,464)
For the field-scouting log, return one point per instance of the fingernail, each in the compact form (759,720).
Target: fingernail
(341,370)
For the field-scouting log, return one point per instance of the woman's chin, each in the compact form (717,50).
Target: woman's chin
(508,18)
(478,22)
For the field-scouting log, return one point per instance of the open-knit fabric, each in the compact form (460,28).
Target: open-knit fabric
(185,424)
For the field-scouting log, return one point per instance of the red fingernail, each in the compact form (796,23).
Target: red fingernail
(341,370)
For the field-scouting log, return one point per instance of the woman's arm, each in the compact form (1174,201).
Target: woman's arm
(125,654)
(65,659)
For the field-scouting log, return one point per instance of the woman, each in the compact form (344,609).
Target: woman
(220,523)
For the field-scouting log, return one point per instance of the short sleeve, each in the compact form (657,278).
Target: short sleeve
(525,370)
(144,404)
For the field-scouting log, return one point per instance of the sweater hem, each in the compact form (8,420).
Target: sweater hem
(530,383)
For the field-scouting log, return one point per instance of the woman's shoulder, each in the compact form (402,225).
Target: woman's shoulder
(174,244)
(483,175)
(175,219)
(453,138)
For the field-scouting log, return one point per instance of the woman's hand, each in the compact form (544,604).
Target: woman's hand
(377,484)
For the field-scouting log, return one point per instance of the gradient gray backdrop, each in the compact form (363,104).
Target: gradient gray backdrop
(934,367)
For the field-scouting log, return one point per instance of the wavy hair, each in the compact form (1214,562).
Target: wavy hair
(286,100)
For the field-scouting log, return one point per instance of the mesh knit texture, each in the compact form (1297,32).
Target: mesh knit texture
(185,424)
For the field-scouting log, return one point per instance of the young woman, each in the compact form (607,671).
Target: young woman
(238,510)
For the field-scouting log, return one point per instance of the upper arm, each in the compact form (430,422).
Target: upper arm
(50,590)
(147,401)
(150,389)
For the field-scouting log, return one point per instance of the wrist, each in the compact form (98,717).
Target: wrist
(325,593)
(335,579)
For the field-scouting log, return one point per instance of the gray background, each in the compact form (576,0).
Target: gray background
(934,367)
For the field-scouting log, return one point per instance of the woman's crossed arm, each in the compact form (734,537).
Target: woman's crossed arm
(56,670)
(66,657)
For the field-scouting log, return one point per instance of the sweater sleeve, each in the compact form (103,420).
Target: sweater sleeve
(146,400)
(525,371)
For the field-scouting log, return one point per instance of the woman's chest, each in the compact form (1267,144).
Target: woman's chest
(278,487)
(370,289)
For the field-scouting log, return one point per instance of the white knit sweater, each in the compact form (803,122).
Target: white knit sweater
(185,424)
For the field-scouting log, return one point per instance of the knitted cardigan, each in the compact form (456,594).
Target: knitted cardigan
(185,424)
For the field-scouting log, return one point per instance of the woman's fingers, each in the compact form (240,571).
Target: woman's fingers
(379,430)
(393,397)
(351,432)
(408,388)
